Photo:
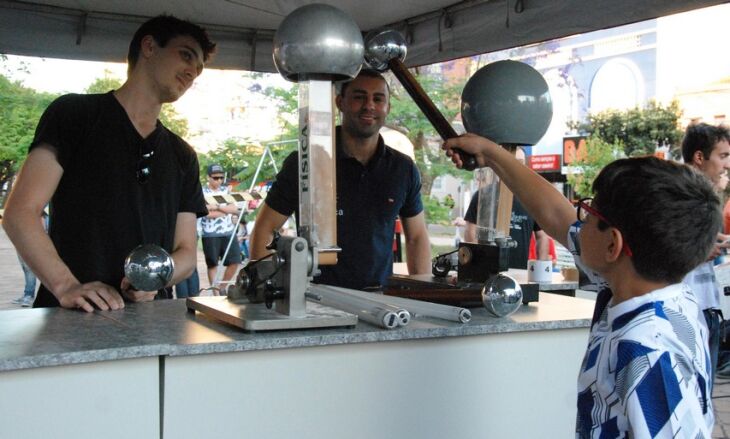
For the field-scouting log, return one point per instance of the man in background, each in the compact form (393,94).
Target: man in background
(521,228)
(707,149)
(218,227)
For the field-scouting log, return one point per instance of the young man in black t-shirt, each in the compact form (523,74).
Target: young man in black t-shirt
(114,176)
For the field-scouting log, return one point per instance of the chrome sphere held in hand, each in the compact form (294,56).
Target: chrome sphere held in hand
(318,41)
(382,46)
(149,267)
(501,295)
(508,102)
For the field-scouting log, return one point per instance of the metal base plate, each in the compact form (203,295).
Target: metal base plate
(256,317)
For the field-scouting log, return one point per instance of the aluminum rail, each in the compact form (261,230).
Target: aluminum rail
(446,312)
(404,316)
(367,310)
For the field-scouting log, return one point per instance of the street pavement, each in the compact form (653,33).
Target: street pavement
(11,287)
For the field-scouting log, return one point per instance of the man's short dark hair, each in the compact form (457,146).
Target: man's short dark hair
(668,213)
(369,73)
(163,28)
(702,137)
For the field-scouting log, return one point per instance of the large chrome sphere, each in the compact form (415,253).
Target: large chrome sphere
(507,102)
(382,46)
(501,295)
(149,267)
(318,41)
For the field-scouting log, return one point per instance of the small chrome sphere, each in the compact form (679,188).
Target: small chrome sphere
(318,41)
(149,267)
(501,295)
(382,46)
(508,102)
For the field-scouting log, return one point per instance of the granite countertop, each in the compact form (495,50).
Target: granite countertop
(31,338)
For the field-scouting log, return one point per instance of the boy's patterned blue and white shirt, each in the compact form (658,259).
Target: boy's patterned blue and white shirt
(216,227)
(645,372)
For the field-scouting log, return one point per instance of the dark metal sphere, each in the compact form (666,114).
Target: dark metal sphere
(149,267)
(382,46)
(318,41)
(501,295)
(507,102)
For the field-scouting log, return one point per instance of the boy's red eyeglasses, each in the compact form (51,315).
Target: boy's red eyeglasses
(585,209)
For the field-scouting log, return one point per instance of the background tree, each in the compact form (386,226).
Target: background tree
(599,153)
(20,110)
(168,116)
(286,101)
(639,130)
(240,157)
(406,117)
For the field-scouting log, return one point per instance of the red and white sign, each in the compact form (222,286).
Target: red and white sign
(545,163)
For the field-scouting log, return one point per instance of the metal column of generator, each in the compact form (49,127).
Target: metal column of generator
(314,45)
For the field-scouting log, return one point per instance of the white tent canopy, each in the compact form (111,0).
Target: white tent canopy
(437,30)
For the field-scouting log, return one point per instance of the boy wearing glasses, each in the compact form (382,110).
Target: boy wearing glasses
(115,177)
(646,371)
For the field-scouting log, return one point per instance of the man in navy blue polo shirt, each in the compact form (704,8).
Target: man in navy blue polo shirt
(375,184)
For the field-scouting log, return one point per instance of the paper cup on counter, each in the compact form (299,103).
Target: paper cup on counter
(539,271)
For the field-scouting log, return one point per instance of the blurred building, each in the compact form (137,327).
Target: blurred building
(681,57)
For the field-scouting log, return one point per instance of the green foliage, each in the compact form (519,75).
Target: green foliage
(406,117)
(599,153)
(173,121)
(105,84)
(435,212)
(168,116)
(20,110)
(639,130)
(240,159)
(287,102)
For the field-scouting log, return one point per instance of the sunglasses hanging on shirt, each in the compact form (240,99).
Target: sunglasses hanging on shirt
(146,152)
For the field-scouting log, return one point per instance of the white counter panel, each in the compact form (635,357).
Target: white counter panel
(110,400)
(511,385)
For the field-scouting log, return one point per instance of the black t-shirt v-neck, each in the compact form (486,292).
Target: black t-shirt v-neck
(100,211)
